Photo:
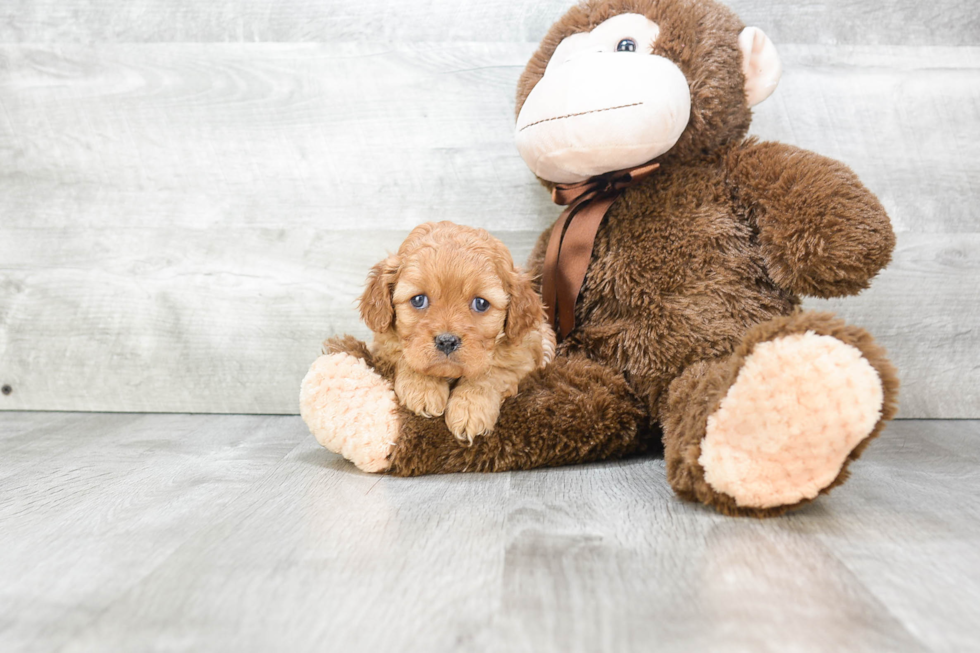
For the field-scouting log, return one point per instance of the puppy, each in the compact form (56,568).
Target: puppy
(458,323)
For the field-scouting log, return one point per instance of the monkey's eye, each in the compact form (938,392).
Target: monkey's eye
(480,305)
(626,45)
(419,301)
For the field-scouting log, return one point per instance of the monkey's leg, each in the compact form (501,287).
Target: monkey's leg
(778,422)
(573,411)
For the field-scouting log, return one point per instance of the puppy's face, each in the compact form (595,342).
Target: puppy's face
(451,295)
(450,308)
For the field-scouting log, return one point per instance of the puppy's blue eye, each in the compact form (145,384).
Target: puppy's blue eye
(626,45)
(480,305)
(419,301)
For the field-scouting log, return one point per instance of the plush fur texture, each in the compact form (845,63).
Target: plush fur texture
(692,268)
(448,267)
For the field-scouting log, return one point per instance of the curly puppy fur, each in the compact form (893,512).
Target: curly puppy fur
(479,327)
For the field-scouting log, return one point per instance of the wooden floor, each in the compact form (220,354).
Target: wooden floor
(127,532)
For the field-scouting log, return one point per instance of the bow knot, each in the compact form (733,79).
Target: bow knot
(570,246)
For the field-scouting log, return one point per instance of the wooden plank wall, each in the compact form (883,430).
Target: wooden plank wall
(191,193)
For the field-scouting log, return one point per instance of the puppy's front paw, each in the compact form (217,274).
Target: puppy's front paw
(426,396)
(470,414)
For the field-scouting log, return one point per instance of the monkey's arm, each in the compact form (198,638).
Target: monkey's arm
(573,411)
(822,232)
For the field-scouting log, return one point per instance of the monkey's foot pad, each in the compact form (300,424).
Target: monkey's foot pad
(798,407)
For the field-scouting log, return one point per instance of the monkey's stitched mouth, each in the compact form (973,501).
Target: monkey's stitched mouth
(581,113)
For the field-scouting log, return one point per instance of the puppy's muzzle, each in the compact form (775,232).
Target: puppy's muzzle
(447,343)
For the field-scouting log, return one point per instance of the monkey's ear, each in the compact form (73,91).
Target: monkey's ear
(760,64)
(377,311)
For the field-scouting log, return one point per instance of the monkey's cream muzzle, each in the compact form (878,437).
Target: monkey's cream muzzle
(602,111)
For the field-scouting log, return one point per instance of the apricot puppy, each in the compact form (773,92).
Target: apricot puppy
(460,325)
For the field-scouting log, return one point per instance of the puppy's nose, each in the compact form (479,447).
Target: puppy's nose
(447,343)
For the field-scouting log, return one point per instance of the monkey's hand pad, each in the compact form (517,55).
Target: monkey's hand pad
(351,410)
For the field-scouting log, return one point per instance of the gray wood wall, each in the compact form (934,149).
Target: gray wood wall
(191,193)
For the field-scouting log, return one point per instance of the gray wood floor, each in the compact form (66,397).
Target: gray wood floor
(128,532)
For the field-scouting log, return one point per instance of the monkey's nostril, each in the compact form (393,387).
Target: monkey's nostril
(447,343)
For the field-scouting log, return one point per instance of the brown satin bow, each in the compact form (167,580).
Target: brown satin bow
(570,247)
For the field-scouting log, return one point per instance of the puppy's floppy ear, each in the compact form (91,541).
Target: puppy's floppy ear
(377,311)
(525,311)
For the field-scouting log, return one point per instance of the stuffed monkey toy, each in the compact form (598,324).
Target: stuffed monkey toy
(673,279)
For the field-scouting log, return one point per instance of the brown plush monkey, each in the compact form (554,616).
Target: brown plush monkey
(686,327)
